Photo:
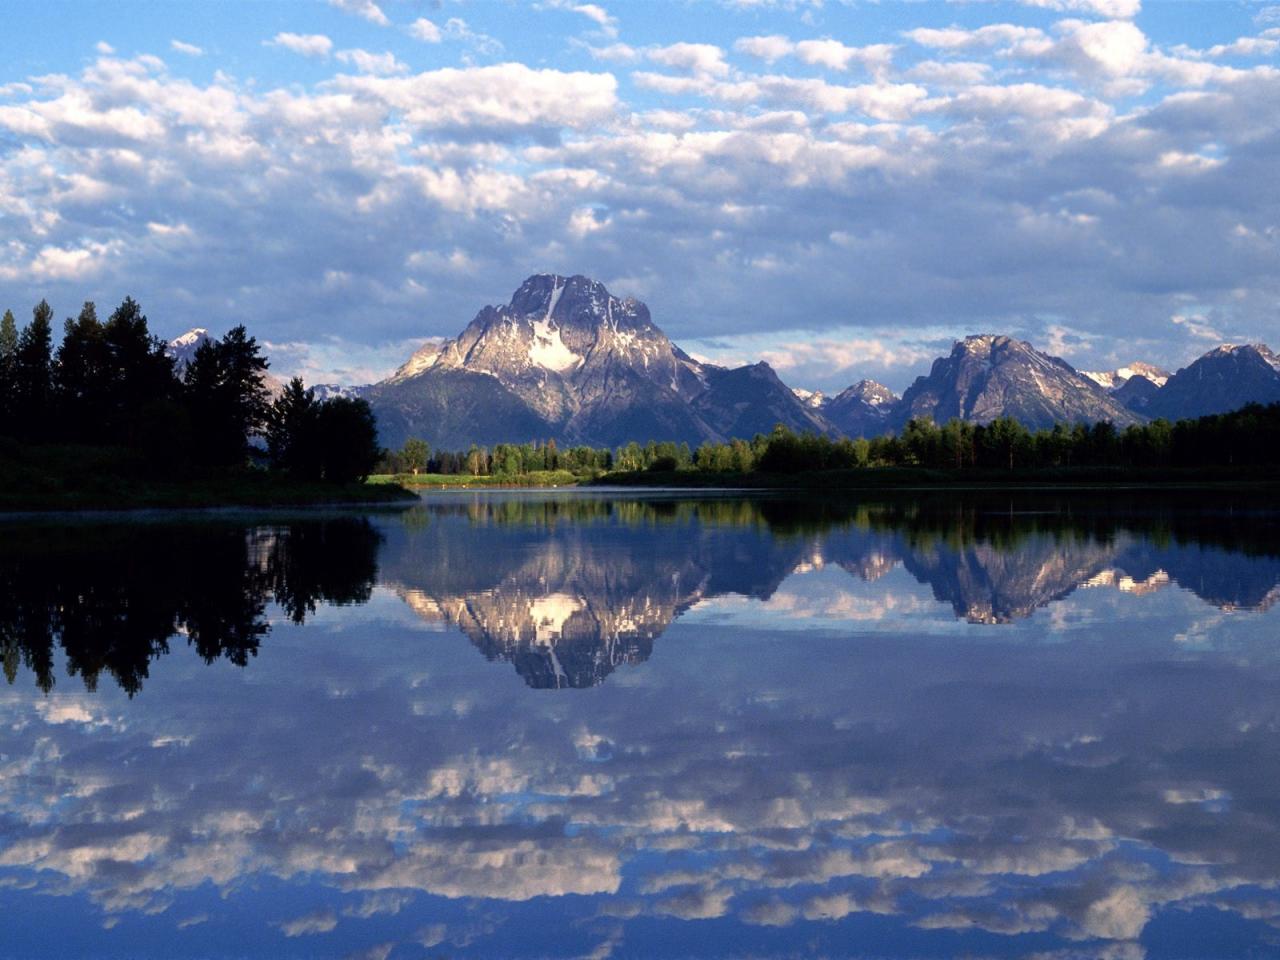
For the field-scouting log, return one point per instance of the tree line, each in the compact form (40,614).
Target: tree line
(1248,437)
(503,460)
(113,383)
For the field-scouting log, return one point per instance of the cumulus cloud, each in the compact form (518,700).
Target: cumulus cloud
(190,49)
(365,9)
(426,31)
(769,182)
(696,58)
(306,44)
(378,64)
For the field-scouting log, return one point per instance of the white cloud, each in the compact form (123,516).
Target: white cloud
(306,44)
(769,48)
(426,31)
(366,9)
(597,14)
(700,59)
(378,64)
(1111,9)
(190,49)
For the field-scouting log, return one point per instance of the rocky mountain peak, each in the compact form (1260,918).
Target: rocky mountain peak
(869,391)
(987,376)
(1113,380)
(1221,380)
(567,359)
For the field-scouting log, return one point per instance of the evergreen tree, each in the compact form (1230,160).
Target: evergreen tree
(347,434)
(291,432)
(8,370)
(33,375)
(139,374)
(82,376)
(226,394)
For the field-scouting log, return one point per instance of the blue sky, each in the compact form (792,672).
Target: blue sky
(838,188)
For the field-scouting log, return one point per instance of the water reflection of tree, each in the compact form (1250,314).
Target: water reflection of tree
(114,597)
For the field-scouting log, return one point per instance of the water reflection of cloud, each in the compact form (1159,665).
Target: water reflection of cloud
(1064,794)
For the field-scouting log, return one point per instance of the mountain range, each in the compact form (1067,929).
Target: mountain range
(565,360)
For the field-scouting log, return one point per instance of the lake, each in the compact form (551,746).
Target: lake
(592,724)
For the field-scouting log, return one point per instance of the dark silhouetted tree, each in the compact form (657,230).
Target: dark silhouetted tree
(82,377)
(348,433)
(291,434)
(34,375)
(226,394)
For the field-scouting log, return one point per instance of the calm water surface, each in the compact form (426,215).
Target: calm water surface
(590,725)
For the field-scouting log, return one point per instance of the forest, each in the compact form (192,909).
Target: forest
(112,384)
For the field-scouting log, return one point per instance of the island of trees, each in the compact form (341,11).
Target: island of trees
(106,418)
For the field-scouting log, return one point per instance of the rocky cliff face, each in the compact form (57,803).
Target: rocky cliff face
(1222,380)
(988,376)
(566,360)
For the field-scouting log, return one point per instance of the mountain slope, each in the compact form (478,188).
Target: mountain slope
(1222,380)
(987,377)
(566,360)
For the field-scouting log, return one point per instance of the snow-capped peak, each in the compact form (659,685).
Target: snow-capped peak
(810,398)
(189,339)
(1115,379)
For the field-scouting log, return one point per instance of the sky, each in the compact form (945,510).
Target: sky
(839,188)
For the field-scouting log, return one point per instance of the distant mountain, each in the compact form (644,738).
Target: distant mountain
(183,350)
(327,391)
(861,410)
(1113,380)
(988,376)
(566,360)
(1222,380)
(1136,393)
(813,399)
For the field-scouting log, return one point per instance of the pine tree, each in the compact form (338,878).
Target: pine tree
(291,430)
(139,373)
(8,371)
(226,394)
(82,377)
(33,375)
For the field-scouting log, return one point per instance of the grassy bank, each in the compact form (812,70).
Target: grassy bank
(892,478)
(94,478)
(537,478)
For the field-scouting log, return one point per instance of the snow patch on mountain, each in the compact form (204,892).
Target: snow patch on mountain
(547,348)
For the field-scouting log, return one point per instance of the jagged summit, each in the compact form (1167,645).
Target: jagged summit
(1113,380)
(566,359)
(192,337)
(861,410)
(988,376)
(183,348)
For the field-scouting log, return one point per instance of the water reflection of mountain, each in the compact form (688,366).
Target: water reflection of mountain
(569,590)
(568,599)
(113,596)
